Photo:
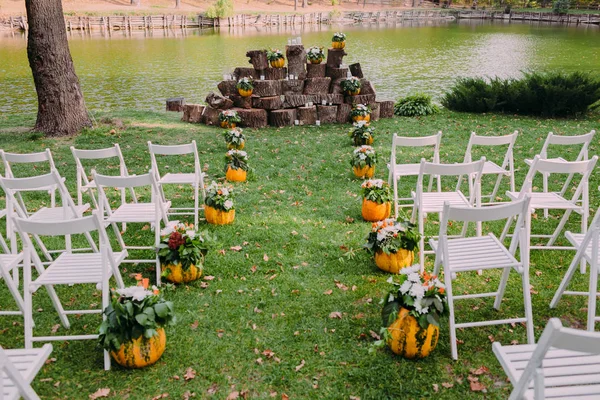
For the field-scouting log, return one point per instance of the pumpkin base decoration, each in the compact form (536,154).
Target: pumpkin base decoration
(218,217)
(408,339)
(279,63)
(218,205)
(235,175)
(236,166)
(245,93)
(338,45)
(364,172)
(175,273)
(394,262)
(141,352)
(228,125)
(358,118)
(316,61)
(231,146)
(353,92)
(377,198)
(181,253)
(372,211)
(235,139)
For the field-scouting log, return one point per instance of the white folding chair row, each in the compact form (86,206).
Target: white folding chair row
(564,364)
(18,368)
(467,254)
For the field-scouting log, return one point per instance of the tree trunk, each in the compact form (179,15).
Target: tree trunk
(304,3)
(61,108)
(177,3)
(282,117)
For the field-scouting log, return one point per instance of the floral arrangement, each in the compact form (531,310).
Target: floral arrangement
(245,83)
(134,311)
(235,137)
(390,235)
(376,190)
(219,197)
(351,84)
(364,156)
(180,243)
(360,110)
(274,55)
(423,295)
(338,37)
(229,116)
(361,133)
(236,159)
(315,54)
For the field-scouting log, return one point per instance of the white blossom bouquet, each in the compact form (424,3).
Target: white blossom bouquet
(364,156)
(219,197)
(315,53)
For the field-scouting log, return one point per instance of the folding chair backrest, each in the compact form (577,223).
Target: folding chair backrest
(121,182)
(561,140)
(484,214)
(27,158)
(584,168)
(506,140)
(100,154)
(73,226)
(425,141)
(458,169)
(173,150)
(14,379)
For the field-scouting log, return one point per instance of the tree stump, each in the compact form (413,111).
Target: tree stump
(217,101)
(307,115)
(252,118)
(268,103)
(210,116)
(335,57)
(297,100)
(242,102)
(343,113)
(175,104)
(267,88)
(241,72)
(366,87)
(356,70)
(258,59)
(336,87)
(293,86)
(327,114)
(227,88)
(282,117)
(315,70)
(374,111)
(275,73)
(337,73)
(386,109)
(331,98)
(296,58)
(192,113)
(317,85)
(360,99)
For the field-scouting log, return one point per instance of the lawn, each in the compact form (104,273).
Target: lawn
(261,327)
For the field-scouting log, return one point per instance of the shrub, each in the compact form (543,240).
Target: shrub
(220,9)
(561,6)
(553,94)
(416,105)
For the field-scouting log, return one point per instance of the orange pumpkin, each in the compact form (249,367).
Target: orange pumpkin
(357,118)
(364,172)
(228,125)
(354,93)
(408,339)
(235,175)
(373,212)
(218,217)
(231,146)
(316,61)
(338,45)
(178,275)
(394,262)
(279,63)
(245,93)
(141,352)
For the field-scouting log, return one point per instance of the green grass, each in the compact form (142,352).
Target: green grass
(298,222)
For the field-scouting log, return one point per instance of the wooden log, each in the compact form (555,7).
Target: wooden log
(175,104)
(360,99)
(282,117)
(227,88)
(267,88)
(258,59)
(335,57)
(296,59)
(315,70)
(210,116)
(366,87)
(297,100)
(275,73)
(375,111)
(242,102)
(293,86)
(336,87)
(192,113)
(317,85)
(241,72)
(307,115)
(386,109)
(337,73)
(327,114)
(252,118)
(217,101)
(268,103)
(343,113)
(356,70)
(331,98)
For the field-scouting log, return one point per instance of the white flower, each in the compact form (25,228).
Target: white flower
(191,233)
(419,307)
(225,191)
(417,291)
(228,204)
(405,287)
(135,292)
(381,235)
(167,230)
(410,270)
(414,277)
(362,156)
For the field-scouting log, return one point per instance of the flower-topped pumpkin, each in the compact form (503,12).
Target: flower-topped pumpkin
(393,243)
(229,119)
(363,161)
(361,112)
(351,85)
(315,55)
(218,204)
(338,41)
(236,165)
(276,58)
(377,197)
(361,133)
(181,253)
(235,139)
(245,86)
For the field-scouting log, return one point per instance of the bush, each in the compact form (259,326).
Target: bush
(561,6)
(220,9)
(416,105)
(546,94)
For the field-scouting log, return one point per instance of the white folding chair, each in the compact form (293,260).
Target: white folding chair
(560,140)
(433,202)
(506,168)
(68,268)
(18,368)
(466,254)
(10,262)
(587,246)
(134,212)
(398,170)
(564,364)
(196,179)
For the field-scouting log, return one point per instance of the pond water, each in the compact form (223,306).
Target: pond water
(141,69)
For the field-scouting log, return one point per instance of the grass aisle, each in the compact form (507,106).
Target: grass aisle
(262,325)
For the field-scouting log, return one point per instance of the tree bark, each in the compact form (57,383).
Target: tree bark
(192,113)
(307,115)
(315,70)
(61,107)
(282,117)
(327,114)
(317,85)
(175,104)
(386,109)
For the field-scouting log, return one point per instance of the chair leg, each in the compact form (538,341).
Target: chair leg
(421,241)
(395,185)
(496,187)
(506,229)
(560,227)
(501,288)
(14,289)
(593,293)
(196,200)
(451,318)
(567,278)
(527,306)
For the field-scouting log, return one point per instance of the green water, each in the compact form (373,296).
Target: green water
(140,70)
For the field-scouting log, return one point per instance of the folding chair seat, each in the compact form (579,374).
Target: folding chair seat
(196,178)
(398,170)
(18,368)
(482,253)
(564,364)
(433,202)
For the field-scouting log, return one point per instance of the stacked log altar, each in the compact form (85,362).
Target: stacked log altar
(301,93)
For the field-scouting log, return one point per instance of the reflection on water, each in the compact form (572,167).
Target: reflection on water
(139,69)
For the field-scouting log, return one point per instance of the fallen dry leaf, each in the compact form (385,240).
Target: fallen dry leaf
(265,257)
(257,310)
(189,374)
(284,396)
(480,371)
(203,285)
(233,395)
(55,328)
(273,394)
(272,277)
(222,251)
(328,292)
(161,396)
(335,314)
(214,388)
(359,316)
(235,248)
(354,398)
(104,392)
(253,269)
(299,366)
(436,388)
(194,325)
(477,386)
(268,353)
(209,278)
(341,285)
(188,395)
(259,361)
(447,385)
(374,335)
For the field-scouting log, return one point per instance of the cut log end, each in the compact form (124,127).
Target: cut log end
(175,104)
